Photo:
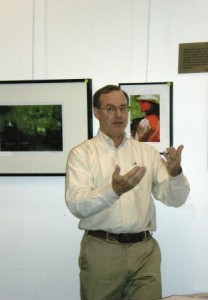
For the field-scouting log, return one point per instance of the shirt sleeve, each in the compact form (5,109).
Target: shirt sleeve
(81,199)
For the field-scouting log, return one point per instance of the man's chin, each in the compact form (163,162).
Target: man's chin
(118,133)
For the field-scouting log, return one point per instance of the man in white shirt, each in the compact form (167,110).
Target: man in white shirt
(110,184)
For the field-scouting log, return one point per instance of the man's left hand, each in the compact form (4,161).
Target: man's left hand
(172,160)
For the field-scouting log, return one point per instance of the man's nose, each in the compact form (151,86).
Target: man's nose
(118,111)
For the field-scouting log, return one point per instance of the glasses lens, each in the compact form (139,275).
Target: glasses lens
(123,108)
(111,109)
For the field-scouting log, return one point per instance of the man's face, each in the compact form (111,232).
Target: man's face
(113,124)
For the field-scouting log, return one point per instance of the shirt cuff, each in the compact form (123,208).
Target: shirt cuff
(109,194)
(177,180)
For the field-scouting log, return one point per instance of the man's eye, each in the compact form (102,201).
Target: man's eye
(123,108)
(110,109)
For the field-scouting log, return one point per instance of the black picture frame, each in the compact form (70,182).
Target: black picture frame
(160,95)
(40,121)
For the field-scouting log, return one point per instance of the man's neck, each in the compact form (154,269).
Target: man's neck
(117,140)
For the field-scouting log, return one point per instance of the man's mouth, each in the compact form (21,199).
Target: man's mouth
(117,122)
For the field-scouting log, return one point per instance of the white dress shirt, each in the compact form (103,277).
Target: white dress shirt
(91,198)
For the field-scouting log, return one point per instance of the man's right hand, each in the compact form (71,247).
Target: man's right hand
(122,184)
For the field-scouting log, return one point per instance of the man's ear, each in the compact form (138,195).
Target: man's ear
(96,113)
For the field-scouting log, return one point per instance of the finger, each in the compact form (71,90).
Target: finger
(166,155)
(135,175)
(138,176)
(132,179)
(132,172)
(175,154)
(141,172)
(180,149)
(117,171)
(172,153)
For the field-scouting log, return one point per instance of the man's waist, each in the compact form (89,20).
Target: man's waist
(125,238)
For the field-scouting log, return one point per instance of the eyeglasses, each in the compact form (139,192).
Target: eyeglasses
(111,109)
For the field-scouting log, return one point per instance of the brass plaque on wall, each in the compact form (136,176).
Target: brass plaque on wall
(193,58)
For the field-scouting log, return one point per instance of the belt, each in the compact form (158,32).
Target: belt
(125,238)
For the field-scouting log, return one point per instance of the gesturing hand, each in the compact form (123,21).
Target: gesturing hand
(122,184)
(173,160)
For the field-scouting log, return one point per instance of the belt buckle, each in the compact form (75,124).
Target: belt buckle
(125,238)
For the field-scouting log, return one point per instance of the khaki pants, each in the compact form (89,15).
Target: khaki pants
(113,271)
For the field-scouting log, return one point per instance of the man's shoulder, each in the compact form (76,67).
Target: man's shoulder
(84,145)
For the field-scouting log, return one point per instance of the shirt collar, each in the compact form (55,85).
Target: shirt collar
(105,138)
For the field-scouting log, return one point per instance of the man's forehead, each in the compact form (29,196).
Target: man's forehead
(113,97)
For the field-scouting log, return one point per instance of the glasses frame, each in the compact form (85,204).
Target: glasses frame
(111,109)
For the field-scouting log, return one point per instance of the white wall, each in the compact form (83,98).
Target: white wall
(106,41)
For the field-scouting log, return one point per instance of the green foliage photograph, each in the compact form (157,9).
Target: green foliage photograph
(31,128)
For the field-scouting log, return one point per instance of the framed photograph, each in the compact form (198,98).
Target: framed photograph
(40,121)
(150,117)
